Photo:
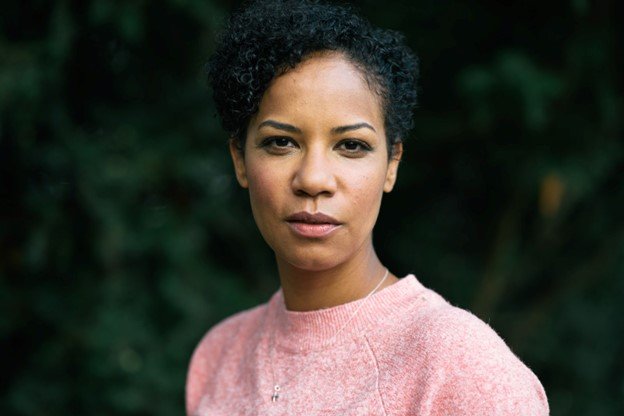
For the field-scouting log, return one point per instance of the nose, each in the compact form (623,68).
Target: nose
(314,175)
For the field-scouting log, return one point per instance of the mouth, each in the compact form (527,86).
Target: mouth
(318,225)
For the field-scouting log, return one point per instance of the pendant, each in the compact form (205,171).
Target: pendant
(275,395)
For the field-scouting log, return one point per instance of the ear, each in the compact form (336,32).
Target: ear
(393,166)
(238,157)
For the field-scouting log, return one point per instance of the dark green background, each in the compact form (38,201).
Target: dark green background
(124,237)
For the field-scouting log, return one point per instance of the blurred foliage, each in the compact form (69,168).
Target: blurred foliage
(123,236)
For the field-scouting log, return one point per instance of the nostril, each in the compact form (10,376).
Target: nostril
(310,194)
(314,181)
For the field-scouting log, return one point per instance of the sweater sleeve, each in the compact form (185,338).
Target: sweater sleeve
(201,366)
(477,374)
(220,347)
(207,357)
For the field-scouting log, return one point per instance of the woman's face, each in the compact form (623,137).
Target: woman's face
(316,163)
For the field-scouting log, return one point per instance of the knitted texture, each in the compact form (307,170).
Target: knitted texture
(406,352)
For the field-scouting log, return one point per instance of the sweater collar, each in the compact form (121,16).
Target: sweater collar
(313,330)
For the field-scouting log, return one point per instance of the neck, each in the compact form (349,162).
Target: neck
(306,290)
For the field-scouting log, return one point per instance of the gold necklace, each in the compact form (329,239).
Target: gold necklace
(276,386)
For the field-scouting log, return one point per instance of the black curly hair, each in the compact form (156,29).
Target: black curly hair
(267,37)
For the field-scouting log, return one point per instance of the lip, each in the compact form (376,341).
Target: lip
(310,225)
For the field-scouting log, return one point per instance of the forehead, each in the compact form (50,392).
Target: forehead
(325,87)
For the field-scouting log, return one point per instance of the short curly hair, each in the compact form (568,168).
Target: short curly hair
(267,37)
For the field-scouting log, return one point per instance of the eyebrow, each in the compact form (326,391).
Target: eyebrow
(350,127)
(336,130)
(280,126)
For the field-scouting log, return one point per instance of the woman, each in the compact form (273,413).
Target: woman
(317,103)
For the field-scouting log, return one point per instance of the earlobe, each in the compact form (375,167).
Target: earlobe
(238,158)
(393,166)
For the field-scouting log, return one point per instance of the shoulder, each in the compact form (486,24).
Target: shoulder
(476,370)
(224,338)
(231,330)
(457,363)
(455,331)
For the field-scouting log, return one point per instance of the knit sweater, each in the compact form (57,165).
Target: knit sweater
(406,352)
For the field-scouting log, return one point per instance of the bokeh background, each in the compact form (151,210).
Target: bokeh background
(124,237)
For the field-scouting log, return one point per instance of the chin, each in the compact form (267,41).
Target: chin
(311,261)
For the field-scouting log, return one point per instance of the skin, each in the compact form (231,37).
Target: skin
(317,144)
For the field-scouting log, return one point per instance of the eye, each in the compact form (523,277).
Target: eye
(278,144)
(280,141)
(354,147)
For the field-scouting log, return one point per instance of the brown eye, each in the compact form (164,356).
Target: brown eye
(354,146)
(281,141)
(351,145)
(278,144)
(278,141)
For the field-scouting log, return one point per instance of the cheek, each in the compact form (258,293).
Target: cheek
(263,187)
(366,193)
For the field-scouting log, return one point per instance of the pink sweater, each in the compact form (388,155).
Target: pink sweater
(406,352)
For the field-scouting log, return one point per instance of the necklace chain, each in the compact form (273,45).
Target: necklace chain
(277,387)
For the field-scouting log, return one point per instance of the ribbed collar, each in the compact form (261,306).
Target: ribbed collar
(314,330)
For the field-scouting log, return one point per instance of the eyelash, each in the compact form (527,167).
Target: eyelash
(271,141)
(364,147)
